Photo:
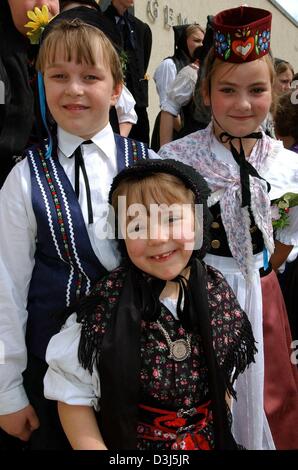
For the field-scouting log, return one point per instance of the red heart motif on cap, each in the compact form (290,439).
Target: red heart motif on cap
(243,48)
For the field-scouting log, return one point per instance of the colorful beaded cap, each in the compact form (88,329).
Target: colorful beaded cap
(242,34)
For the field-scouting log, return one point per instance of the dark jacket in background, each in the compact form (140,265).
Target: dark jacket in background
(136,38)
(16,114)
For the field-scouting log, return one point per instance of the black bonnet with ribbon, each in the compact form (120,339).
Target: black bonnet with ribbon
(191,179)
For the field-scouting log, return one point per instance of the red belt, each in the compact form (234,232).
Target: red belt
(183,425)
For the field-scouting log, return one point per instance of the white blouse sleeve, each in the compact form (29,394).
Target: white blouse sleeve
(17,248)
(125,107)
(66,380)
(181,90)
(163,76)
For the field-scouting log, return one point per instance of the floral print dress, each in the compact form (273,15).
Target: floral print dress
(174,408)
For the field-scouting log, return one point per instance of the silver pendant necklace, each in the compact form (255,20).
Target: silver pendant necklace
(179,349)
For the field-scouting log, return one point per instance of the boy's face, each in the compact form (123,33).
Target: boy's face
(19,10)
(241,97)
(125,4)
(161,245)
(79,96)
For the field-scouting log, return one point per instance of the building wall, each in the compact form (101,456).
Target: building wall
(160,14)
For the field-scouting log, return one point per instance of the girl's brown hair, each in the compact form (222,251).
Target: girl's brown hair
(192,28)
(282,66)
(79,41)
(286,116)
(157,188)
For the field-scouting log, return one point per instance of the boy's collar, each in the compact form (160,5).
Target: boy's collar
(68,143)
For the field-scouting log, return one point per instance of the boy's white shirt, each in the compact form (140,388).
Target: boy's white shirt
(66,380)
(17,248)
(125,107)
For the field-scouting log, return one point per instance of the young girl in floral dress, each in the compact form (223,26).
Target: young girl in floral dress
(241,165)
(160,340)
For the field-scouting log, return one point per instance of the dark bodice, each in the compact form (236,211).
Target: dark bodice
(219,243)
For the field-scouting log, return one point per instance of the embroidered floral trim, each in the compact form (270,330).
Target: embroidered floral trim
(262,41)
(280,210)
(134,151)
(223,44)
(61,222)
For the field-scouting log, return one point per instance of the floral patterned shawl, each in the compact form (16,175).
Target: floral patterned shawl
(224,182)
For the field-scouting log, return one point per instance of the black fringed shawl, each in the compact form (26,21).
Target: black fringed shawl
(117,353)
(16,114)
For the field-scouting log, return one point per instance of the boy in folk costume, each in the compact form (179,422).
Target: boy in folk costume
(152,351)
(51,207)
(245,170)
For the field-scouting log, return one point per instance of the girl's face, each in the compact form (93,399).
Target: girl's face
(19,11)
(79,96)
(161,245)
(240,97)
(282,82)
(194,40)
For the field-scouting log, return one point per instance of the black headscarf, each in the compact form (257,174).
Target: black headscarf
(16,114)
(181,56)
(119,363)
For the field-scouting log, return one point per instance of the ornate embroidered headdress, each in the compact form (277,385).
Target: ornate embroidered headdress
(242,34)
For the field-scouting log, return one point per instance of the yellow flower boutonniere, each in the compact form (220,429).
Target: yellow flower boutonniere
(39,19)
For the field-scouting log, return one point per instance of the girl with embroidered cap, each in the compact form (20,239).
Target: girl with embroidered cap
(245,170)
(160,340)
(50,208)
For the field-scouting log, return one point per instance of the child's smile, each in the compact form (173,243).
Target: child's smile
(163,257)
(79,95)
(240,97)
(164,248)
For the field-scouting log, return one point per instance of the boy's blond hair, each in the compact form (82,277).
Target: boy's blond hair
(79,42)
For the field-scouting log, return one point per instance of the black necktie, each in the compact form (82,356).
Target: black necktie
(127,33)
(79,164)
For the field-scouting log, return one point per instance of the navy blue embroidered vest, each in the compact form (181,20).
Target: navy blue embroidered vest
(66,266)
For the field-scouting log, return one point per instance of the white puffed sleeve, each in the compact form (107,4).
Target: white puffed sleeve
(163,76)
(125,107)
(66,380)
(181,90)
